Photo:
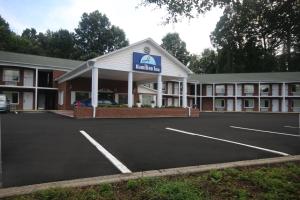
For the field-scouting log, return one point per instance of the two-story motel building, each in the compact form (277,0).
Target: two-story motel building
(142,72)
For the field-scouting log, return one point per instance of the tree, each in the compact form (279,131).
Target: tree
(194,64)
(249,38)
(96,36)
(208,61)
(5,34)
(175,46)
(60,43)
(187,8)
(30,34)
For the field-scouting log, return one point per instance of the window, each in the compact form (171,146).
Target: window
(81,96)
(296,88)
(220,89)
(264,103)
(11,75)
(220,103)
(61,98)
(123,99)
(249,89)
(249,103)
(264,89)
(296,103)
(12,97)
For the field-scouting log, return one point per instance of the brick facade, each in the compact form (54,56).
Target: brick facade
(135,112)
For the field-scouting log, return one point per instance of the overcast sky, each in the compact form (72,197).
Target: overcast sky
(138,23)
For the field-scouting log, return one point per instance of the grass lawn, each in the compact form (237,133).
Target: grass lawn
(281,181)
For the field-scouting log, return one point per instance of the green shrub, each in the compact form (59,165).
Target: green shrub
(132,184)
(53,194)
(241,194)
(106,190)
(215,176)
(174,190)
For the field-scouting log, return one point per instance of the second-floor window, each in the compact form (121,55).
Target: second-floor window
(296,89)
(264,89)
(249,89)
(11,75)
(220,89)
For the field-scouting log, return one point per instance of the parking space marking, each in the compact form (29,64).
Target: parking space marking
(291,127)
(228,141)
(108,155)
(258,130)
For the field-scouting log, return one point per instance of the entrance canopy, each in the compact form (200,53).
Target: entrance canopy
(117,64)
(142,62)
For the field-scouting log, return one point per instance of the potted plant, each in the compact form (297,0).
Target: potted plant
(152,104)
(138,103)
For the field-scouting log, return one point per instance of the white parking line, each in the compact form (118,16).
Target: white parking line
(292,127)
(108,155)
(257,130)
(229,141)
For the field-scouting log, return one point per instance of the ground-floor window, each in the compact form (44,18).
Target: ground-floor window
(264,103)
(220,103)
(296,103)
(79,95)
(12,97)
(123,99)
(147,99)
(249,103)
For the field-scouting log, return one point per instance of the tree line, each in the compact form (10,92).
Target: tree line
(94,36)
(250,36)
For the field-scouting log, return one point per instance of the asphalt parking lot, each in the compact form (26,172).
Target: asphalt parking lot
(44,147)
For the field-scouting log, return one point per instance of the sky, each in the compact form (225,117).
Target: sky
(138,22)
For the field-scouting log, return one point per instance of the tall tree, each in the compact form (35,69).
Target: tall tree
(96,36)
(188,8)
(60,43)
(175,46)
(5,34)
(249,38)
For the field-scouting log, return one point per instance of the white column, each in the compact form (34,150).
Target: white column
(235,97)
(200,91)
(258,96)
(159,90)
(36,89)
(179,93)
(213,91)
(195,91)
(184,93)
(94,92)
(283,98)
(130,98)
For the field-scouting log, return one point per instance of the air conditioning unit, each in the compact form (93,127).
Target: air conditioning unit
(11,83)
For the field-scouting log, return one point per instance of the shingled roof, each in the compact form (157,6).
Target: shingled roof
(28,60)
(246,77)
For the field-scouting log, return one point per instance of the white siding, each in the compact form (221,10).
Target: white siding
(229,90)
(208,90)
(239,90)
(122,61)
(275,90)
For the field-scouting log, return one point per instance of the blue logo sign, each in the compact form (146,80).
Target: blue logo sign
(146,62)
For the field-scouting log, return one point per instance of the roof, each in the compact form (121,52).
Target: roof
(171,57)
(246,77)
(85,66)
(28,60)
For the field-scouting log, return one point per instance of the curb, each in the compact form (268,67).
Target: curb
(83,182)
